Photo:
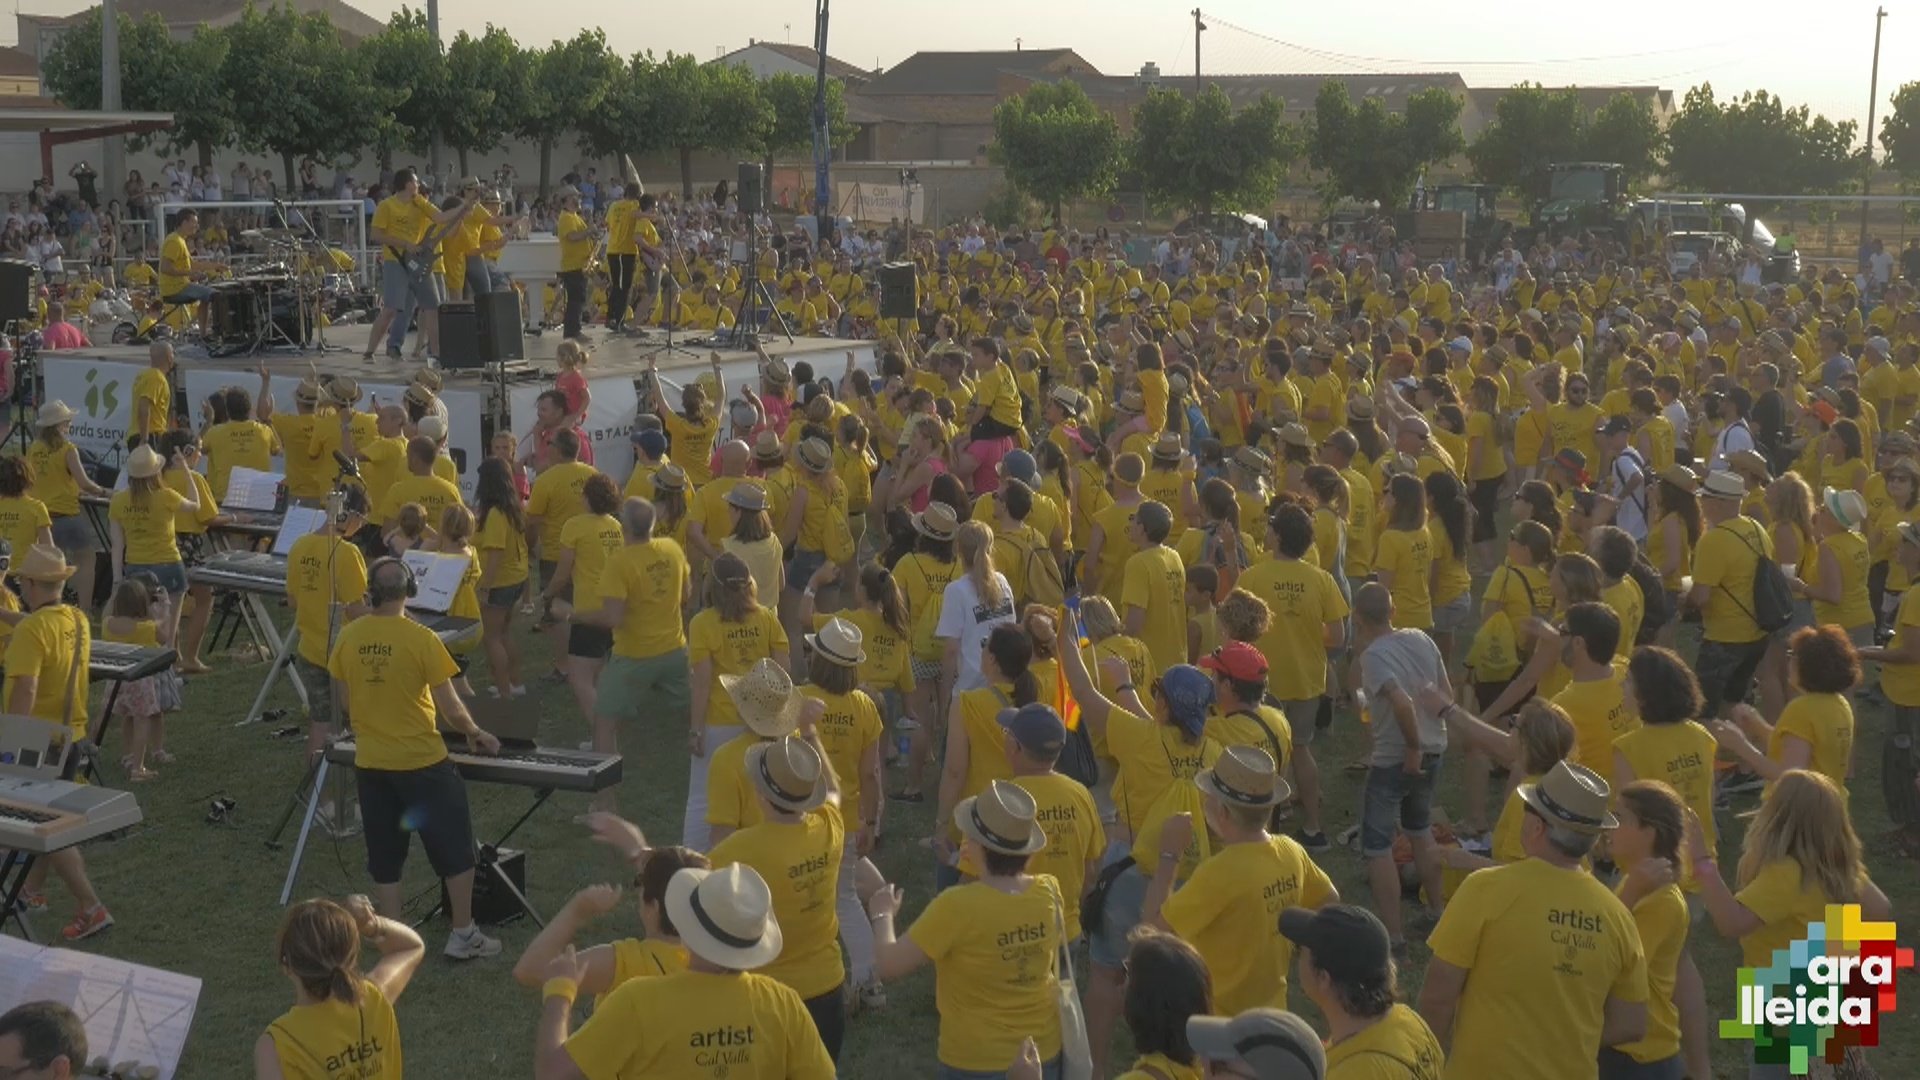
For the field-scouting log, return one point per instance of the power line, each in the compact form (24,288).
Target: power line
(1352,59)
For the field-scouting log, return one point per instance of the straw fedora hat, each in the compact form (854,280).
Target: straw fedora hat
(765,698)
(1360,409)
(428,379)
(1750,463)
(839,642)
(767,447)
(1167,447)
(1905,465)
(670,477)
(776,371)
(1002,819)
(1723,485)
(419,393)
(342,390)
(814,454)
(1680,476)
(1131,401)
(1067,398)
(749,497)
(936,522)
(1244,776)
(53,412)
(1296,435)
(1572,796)
(725,916)
(145,463)
(1848,507)
(1254,460)
(42,562)
(789,773)
(309,391)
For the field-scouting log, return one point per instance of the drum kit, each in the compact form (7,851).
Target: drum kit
(278,302)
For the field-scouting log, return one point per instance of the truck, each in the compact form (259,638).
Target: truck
(1478,204)
(1581,196)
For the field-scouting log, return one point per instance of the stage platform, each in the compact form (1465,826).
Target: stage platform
(97,383)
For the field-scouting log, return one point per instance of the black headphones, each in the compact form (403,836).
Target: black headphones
(378,594)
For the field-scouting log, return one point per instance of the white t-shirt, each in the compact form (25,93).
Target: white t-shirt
(965,617)
(1732,440)
(1631,514)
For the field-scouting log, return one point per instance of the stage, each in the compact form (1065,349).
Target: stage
(96,382)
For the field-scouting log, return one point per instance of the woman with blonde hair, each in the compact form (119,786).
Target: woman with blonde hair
(587,540)
(924,574)
(144,527)
(58,479)
(750,537)
(976,739)
(732,634)
(456,538)
(1833,573)
(334,1003)
(970,607)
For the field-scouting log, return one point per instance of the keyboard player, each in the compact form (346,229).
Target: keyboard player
(396,674)
(325,572)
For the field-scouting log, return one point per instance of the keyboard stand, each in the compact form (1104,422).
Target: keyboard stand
(486,861)
(14,868)
(282,663)
(309,793)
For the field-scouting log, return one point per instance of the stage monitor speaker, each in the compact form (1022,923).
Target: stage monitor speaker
(459,336)
(499,330)
(16,290)
(899,291)
(493,900)
(752,181)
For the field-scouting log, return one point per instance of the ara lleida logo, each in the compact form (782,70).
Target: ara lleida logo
(1822,995)
(102,398)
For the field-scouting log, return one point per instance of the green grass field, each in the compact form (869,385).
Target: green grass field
(200,898)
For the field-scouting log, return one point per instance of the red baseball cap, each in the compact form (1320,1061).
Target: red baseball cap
(1236,660)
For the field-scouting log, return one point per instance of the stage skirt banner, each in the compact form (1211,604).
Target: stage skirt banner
(99,392)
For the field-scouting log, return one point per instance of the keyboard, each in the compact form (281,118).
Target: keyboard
(249,522)
(247,571)
(117,662)
(450,629)
(530,767)
(40,816)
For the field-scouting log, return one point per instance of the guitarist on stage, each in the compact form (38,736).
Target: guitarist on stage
(400,226)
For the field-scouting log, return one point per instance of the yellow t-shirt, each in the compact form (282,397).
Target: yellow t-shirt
(1229,911)
(53,484)
(593,539)
(313,588)
(847,730)
(1600,715)
(1901,682)
(1726,560)
(733,648)
(404,218)
(1151,757)
(1161,1067)
(390,665)
(1825,723)
(1156,581)
(687,1024)
(174,255)
(994,957)
(804,859)
(643,958)
(333,1040)
(150,386)
(309,468)
(1679,755)
(1304,600)
(1451,579)
(1154,393)
(147,525)
(191,522)
(1546,947)
(1493,461)
(574,254)
(1661,917)
(1630,604)
(498,534)
(1385,1049)
(432,493)
(731,800)
(651,579)
(1785,902)
(620,227)
(1408,555)
(21,519)
(42,647)
(1115,549)
(385,462)
(555,498)
(887,650)
(1849,551)
(999,391)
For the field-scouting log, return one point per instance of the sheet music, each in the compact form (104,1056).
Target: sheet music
(251,489)
(438,577)
(300,521)
(131,1012)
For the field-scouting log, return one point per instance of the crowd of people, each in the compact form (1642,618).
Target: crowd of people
(1089,559)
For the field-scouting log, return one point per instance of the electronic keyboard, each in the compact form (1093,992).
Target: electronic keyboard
(530,767)
(247,571)
(43,815)
(116,662)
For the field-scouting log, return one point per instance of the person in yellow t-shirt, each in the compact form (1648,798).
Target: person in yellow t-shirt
(501,540)
(339,1014)
(674,1025)
(144,525)
(1595,698)
(24,520)
(178,267)
(1725,561)
(1167,986)
(643,590)
(325,571)
(1229,909)
(609,967)
(1404,552)
(1496,1007)
(1816,729)
(994,943)
(152,409)
(1647,845)
(1153,591)
(623,252)
(398,678)
(586,543)
(576,251)
(799,842)
(724,642)
(401,223)
(1346,968)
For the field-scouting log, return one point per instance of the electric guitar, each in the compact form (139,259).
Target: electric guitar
(418,260)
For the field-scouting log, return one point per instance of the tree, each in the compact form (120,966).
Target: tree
(1625,130)
(1056,144)
(570,81)
(158,74)
(1532,128)
(789,99)
(1755,143)
(1200,153)
(408,57)
(297,91)
(624,123)
(706,107)
(1900,132)
(1368,153)
(489,80)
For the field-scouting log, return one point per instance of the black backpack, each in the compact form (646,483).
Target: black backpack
(1659,609)
(1772,596)
(1076,758)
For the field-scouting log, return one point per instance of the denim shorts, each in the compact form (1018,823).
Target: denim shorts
(801,568)
(1108,946)
(71,533)
(171,576)
(1615,1065)
(1453,616)
(1050,1070)
(1391,801)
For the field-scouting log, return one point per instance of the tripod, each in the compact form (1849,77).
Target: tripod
(24,400)
(743,321)
(670,299)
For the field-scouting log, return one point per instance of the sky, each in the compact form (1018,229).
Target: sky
(1819,55)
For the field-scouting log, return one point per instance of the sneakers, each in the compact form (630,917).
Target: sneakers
(87,923)
(1477,843)
(873,996)
(31,901)
(1315,842)
(471,944)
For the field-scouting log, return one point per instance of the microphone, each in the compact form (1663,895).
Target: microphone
(347,465)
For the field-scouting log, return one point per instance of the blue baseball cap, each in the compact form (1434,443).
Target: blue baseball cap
(1037,728)
(1019,465)
(653,443)
(1189,694)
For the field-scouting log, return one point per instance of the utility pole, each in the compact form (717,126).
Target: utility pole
(1198,29)
(113,156)
(433,154)
(1873,99)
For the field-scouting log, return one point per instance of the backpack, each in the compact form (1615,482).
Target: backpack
(1772,597)
(1659,609)
(1045,586)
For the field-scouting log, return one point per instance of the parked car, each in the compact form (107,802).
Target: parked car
(1222,223)
(1719,250)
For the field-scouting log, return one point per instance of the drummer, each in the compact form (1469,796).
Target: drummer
(178,269)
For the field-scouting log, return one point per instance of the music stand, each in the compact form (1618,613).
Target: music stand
(670,298)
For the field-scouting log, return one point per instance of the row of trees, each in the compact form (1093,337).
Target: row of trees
(1200,152)
(284,83)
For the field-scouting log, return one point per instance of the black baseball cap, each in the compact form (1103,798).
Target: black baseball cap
(1349,943)
(1618,425)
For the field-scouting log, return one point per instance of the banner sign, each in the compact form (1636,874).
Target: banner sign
(99,392)
(878,203)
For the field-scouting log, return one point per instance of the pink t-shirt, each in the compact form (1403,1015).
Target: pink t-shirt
(922,497)
(779,411)
(574,386)
(543,454)
(63,335)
